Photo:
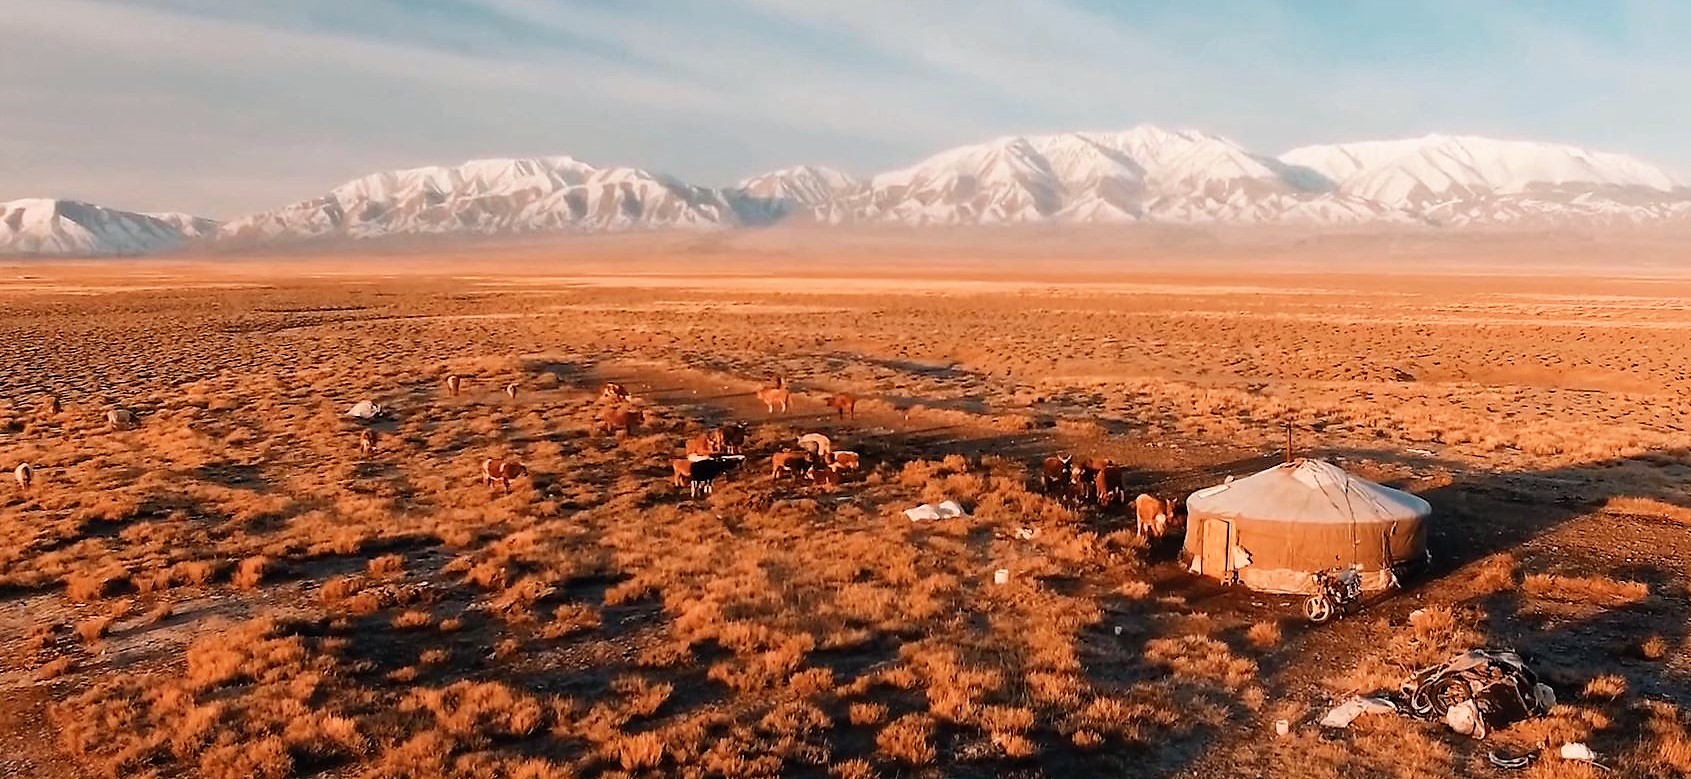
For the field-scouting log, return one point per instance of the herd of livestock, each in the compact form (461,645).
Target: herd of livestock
(720,451)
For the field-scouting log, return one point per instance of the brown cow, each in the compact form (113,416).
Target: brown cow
(503,471)
(1153,515)
(1054,472)
(621,419)
(843,403)
(452,384)
(842,460)
(790,462)
(367,442)
(827,477)
(729,439)
(25,474)
(1108,485)
(771,397)
(611,390)
(701,446)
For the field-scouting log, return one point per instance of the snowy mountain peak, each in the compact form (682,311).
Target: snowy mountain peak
(38,226)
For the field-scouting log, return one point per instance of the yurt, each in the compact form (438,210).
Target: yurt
(1270,531)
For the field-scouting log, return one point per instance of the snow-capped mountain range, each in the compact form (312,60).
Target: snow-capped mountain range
(1145,174)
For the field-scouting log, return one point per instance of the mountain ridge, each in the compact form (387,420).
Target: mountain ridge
(1144,174)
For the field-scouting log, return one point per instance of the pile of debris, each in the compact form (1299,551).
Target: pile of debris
(1474,693)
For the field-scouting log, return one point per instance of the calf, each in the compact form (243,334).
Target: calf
(25,474)
(843,404)
(367,442)
(120,419)
(1152,515)
(1054,473)
(827,477)
(53,406)
(816,444)
(611,390)
(621,419)
(702,445)
(700,475)
(452,384)
(844,461)
(771,397)
(494,469)
(791,463)
(729,439)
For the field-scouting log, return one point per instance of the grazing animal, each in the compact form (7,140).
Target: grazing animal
(494,469)
(1152,514)
(816,444)
(701,445)
(700,475)
(511,389)
(827,477)
(843,404)
(25,474)
(622,419)
(1108,485)
(842,460)
(790,462)
(53,406)
(729,439)
(776,382)
(1054,472)
(367,442)
(120,419)
(611,390)
(771,397)
(452,384)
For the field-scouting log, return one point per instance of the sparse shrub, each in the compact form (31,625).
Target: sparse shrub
(54,669)
(1653,647)
(639,751)
(1264,634)
(908,739)
(251,571)
(386,566)
(866,713)
(94,628)
(1606,687)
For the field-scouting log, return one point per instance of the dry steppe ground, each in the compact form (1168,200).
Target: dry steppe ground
(230,589)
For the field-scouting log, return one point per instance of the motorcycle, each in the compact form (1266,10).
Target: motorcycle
(1335,594)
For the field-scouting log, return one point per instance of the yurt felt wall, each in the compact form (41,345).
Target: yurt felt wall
(1273,529)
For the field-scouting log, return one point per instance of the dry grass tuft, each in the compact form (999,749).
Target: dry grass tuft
(1597,590)
(1653,647)
(908,739)
(1265,634)
(1607,687)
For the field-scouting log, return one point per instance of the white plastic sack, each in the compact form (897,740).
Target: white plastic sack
(365,409)
(928,512)
(1345,713)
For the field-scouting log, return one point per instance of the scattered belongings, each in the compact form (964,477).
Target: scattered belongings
(927,511)
(1474,693)
(1342,715)
(1506,761)
(1001,576)
(1282,727)
(365,409)
(1575,750)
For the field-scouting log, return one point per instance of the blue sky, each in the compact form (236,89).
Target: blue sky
(223,107)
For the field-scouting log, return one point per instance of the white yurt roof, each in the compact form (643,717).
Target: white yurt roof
(1307,491)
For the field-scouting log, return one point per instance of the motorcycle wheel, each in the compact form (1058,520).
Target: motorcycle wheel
(1318,609)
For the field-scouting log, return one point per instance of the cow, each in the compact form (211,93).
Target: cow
(842,460)
(53,406)
(120,419)
(511,390)
(1152,515)
(701,445)
(25,474)
(1054,473)
(367,442)
(611,390)
(1108,485)
(843,404)
(623,419)
(816,444)
(730,438)
(700,475)
(494,469)
(452,384)
(787,461)
(771,397)
(826,477)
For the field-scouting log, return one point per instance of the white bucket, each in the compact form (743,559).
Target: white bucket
(1001,576)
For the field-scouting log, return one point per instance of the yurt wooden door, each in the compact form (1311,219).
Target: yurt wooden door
(1218,546)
